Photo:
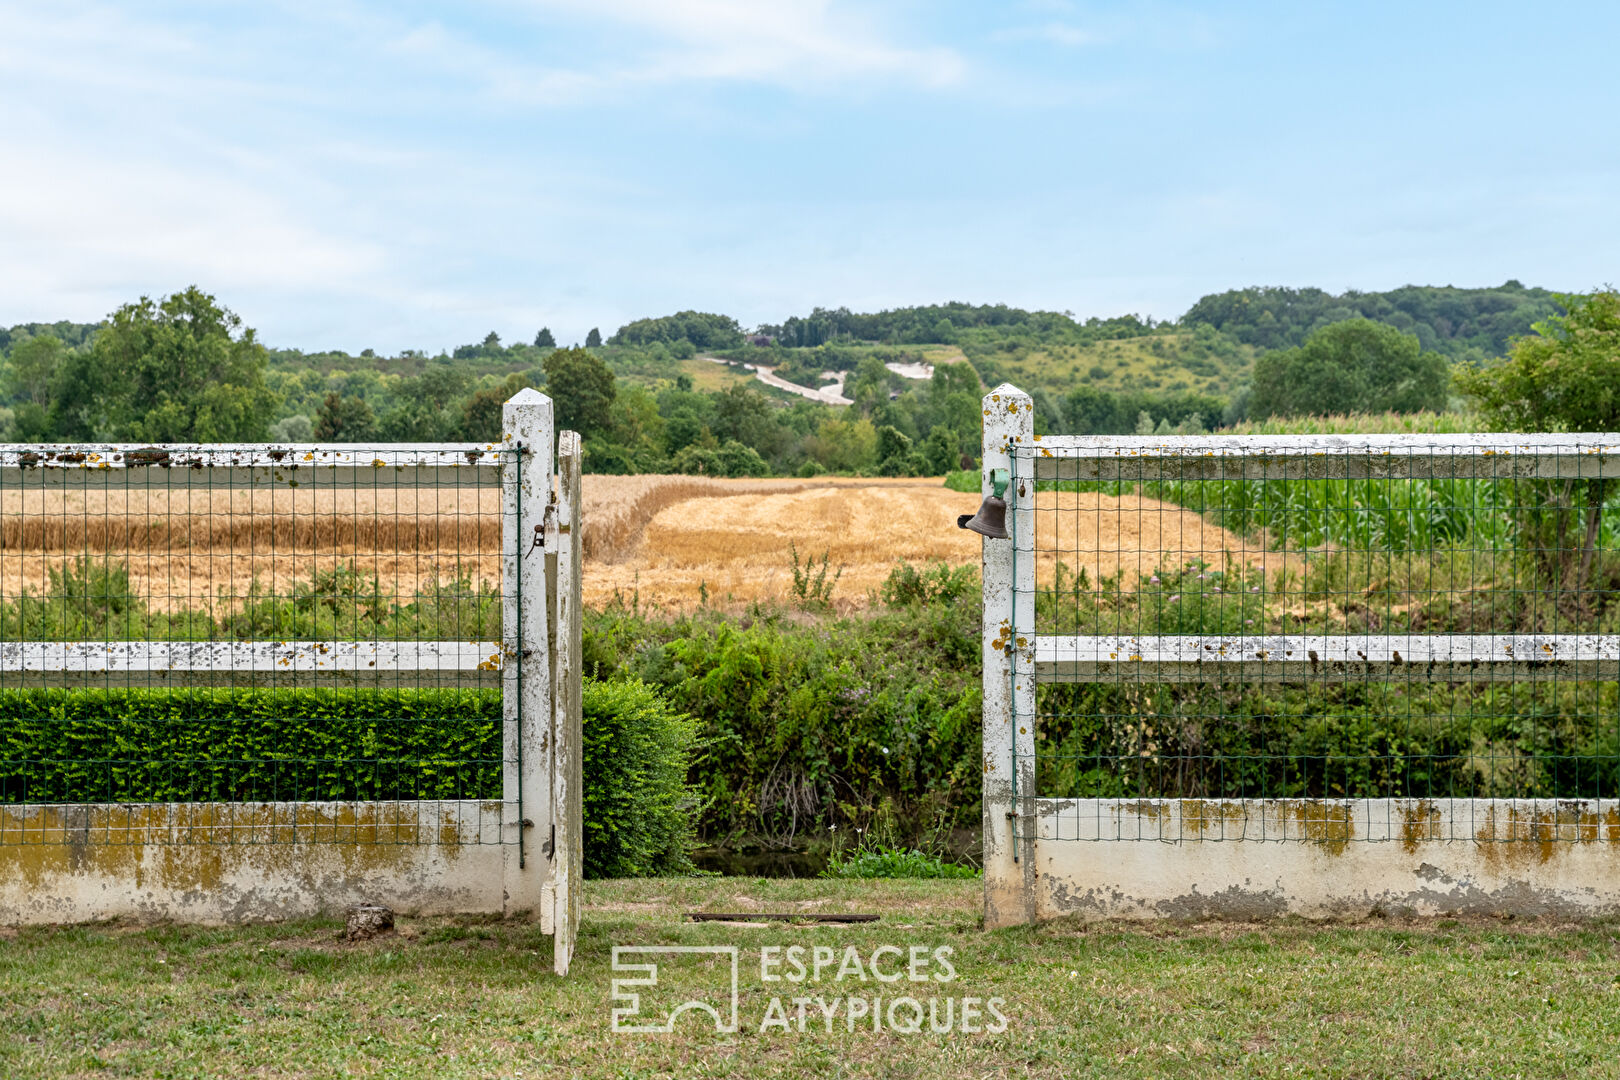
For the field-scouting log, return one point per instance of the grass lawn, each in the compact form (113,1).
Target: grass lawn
(449,998)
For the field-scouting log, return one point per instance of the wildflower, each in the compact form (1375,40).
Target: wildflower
(1176,597)
(1154,580)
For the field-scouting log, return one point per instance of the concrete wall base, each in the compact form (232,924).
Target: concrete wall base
(247,862)
(1247,859)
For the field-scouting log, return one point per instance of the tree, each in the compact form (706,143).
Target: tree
(181,369)
(29,378)
(344,419)
(1356,365)
(581,387)
(700,329)
(492,340)
(544,340)
(1564,378)
(593,340)
(33,367)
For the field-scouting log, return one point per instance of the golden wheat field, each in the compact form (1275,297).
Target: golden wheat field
(662,541)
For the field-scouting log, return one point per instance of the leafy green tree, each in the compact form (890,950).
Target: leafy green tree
(481,416)
(439,385)
(738,460)
(181,369)
(492,340)
(593,340)
(1566,377)
(544,340)
(581,386)
(413,421)
(1356,365)
(869,389)
(33,368)
(30,378)
(748,416)
(942,450)
(344,419)
(700,329)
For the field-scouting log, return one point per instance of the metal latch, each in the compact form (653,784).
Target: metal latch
(540,529)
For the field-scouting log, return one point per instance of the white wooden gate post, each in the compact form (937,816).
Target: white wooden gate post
(526,674)
(563,891)
(1009,687)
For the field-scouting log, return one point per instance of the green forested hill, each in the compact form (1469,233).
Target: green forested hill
(1472,324)
(668,407)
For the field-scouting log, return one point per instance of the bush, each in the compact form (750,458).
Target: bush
(640,814)
(241,745)
(812,722)
(236,745)
(939,583)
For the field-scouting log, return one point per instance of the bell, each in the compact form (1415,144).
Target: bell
(991,520)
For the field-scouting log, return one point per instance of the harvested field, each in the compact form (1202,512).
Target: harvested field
(665,541)
(204,548)
(1132,537)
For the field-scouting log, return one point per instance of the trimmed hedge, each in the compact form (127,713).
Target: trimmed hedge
(640,815)
(224,745)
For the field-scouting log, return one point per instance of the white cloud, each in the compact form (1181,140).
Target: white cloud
(801,44)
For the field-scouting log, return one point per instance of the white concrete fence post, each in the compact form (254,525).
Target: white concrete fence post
(1008,574)
(529,440)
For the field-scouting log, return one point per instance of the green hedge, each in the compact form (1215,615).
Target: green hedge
(640,815)
(197,745)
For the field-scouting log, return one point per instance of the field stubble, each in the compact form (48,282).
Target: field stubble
(662,541)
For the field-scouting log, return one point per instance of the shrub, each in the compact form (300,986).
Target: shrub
(939,583)
(299,745)
(640,814)
(809,722)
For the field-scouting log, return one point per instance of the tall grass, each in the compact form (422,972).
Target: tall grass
(1387,423)
(92,599)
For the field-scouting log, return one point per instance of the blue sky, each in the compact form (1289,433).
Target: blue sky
(412,175)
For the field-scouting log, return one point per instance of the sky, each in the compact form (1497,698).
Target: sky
(401,175)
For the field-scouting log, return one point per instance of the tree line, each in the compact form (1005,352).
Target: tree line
(184,368)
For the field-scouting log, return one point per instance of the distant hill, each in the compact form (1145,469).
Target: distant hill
(70,333)
(1472,324)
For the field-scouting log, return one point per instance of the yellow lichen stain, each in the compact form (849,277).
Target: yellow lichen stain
(1199,816)
(1324,823)
(1152,809)
(1526,837)
(1420,820)
(203,847)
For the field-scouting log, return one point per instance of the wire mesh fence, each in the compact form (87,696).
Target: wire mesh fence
(1404,621)
(218,644)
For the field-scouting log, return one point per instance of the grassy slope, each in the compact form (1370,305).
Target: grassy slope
(1161,363)
(448,999)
